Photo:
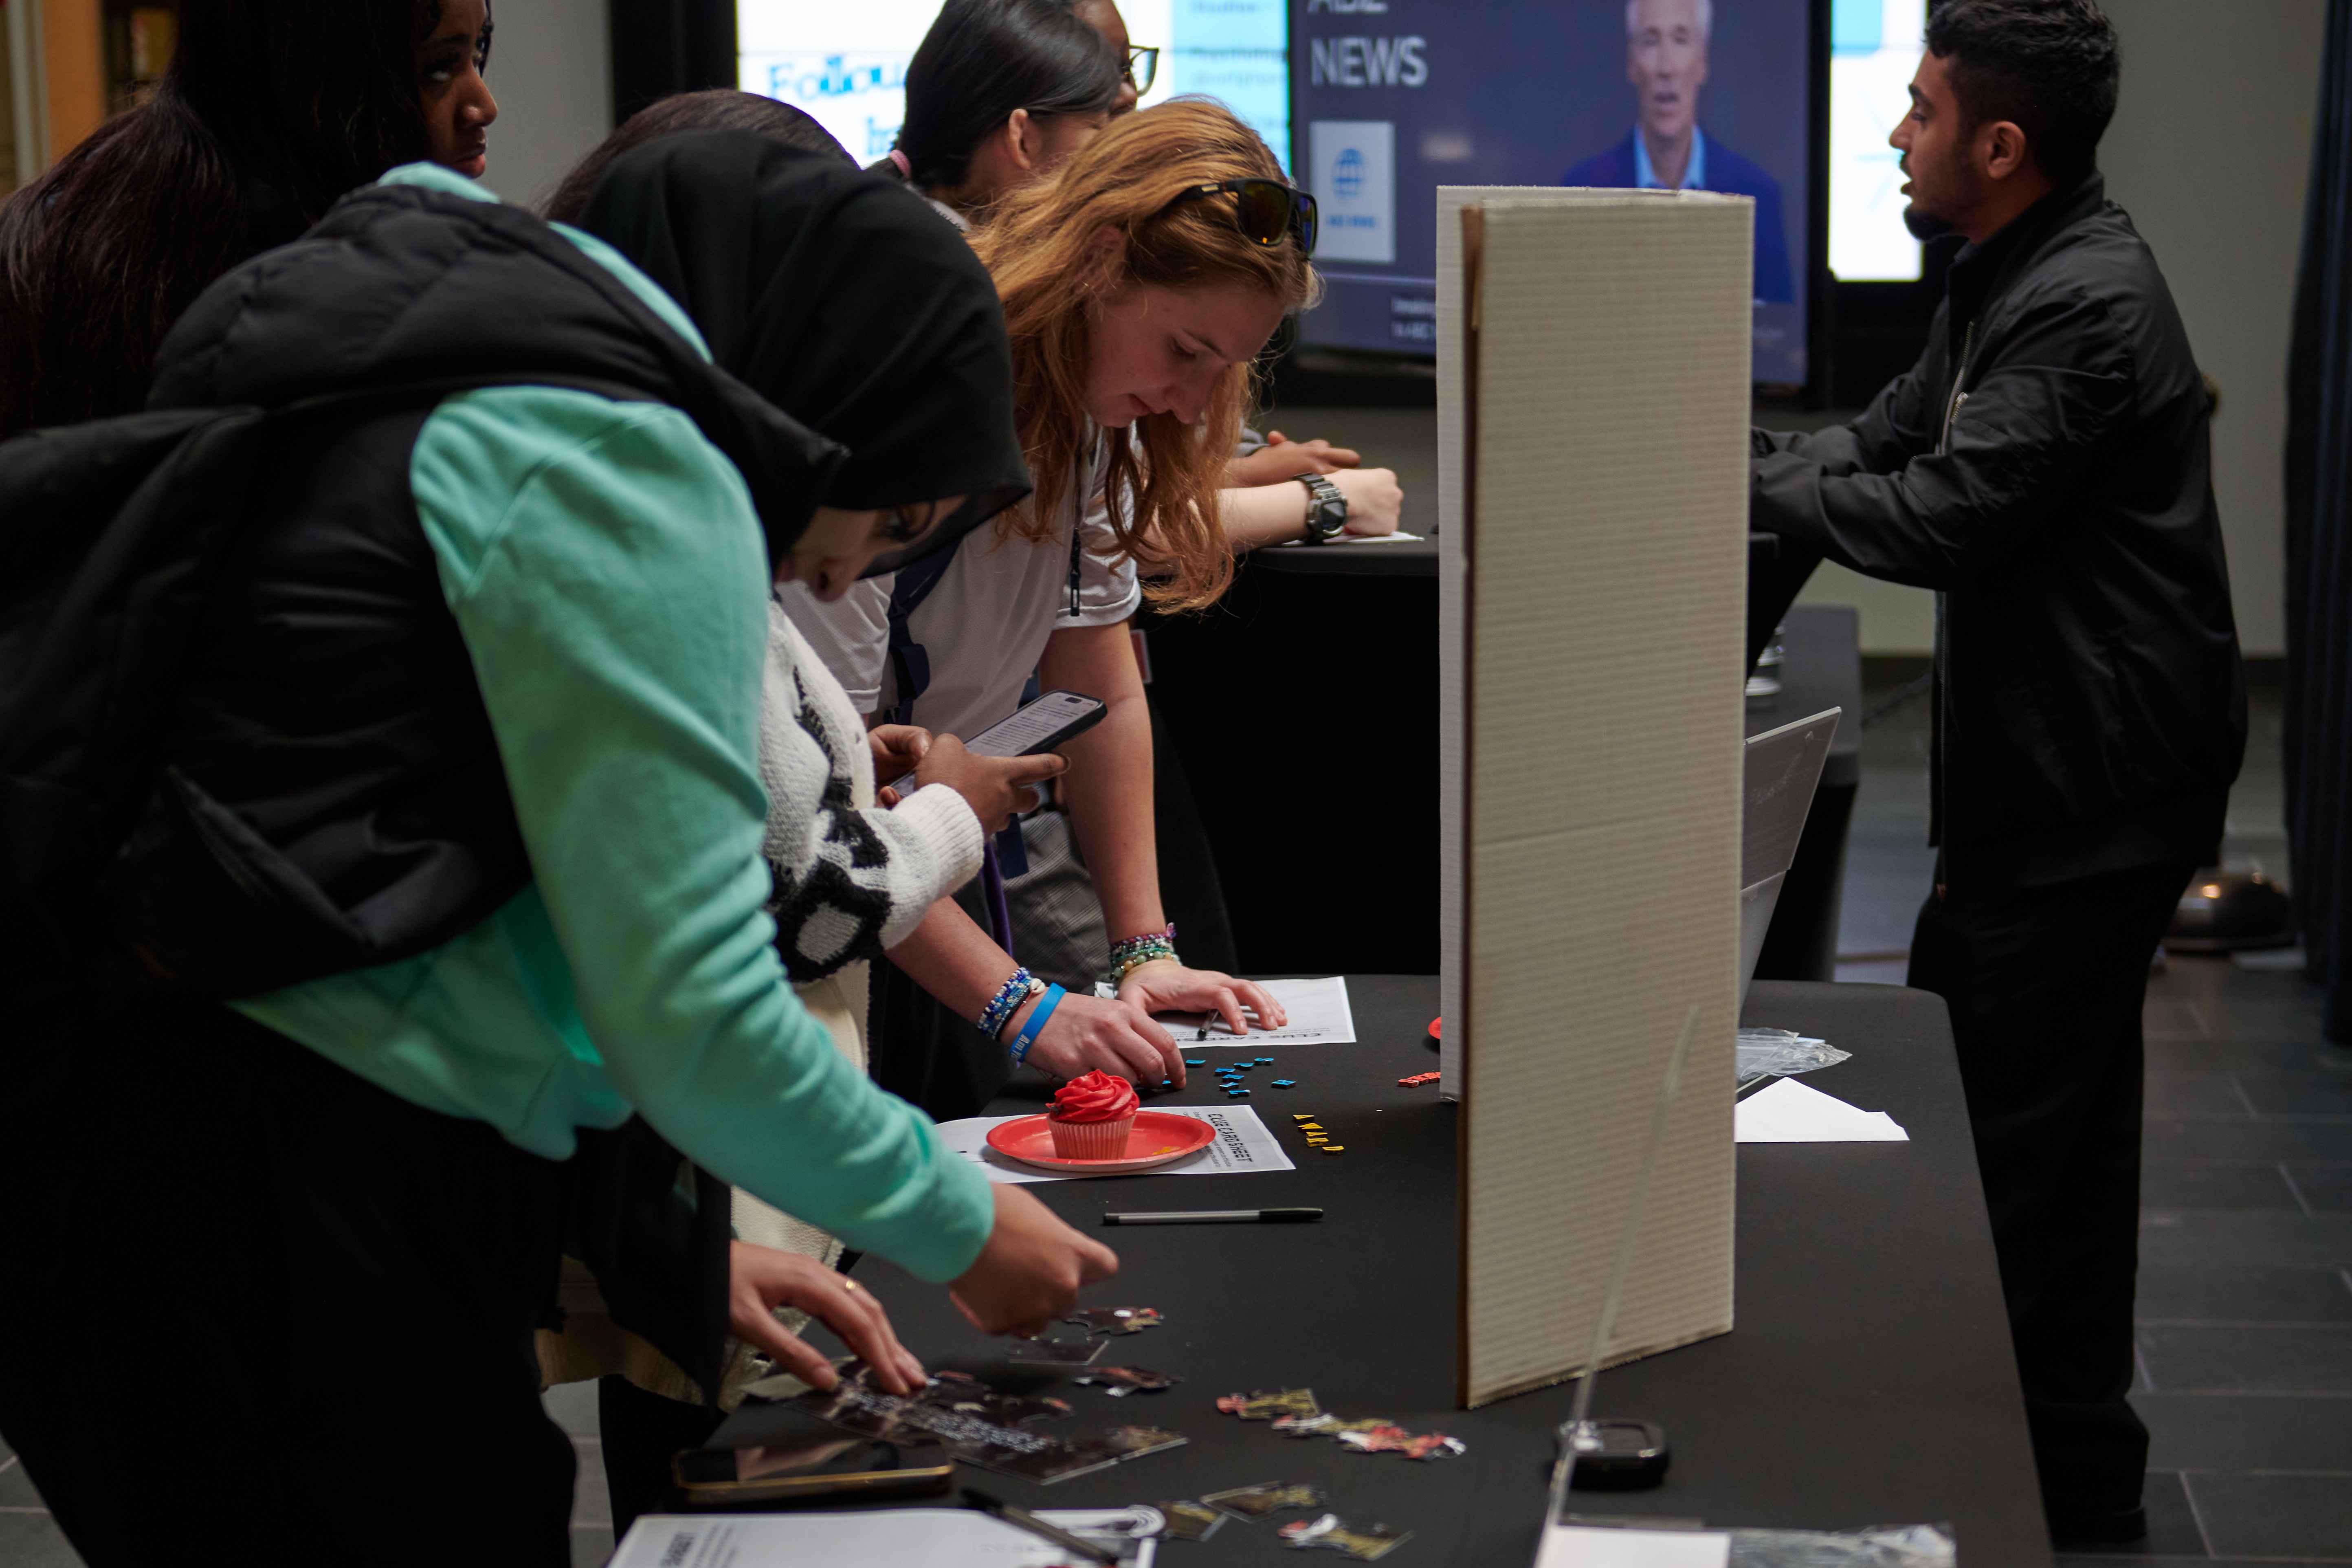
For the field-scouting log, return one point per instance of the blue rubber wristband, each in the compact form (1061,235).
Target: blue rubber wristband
(1028,1035)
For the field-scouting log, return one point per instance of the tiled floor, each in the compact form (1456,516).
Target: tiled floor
(2245,1282)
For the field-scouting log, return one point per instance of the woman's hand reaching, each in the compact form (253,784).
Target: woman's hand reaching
(1283,459)
(1168,986)
(1088,1031)
(759,1279)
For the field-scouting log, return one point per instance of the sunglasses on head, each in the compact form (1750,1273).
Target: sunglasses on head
(1264,210)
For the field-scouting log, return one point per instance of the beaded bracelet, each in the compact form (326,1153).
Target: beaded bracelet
(1138,950)
(1007,1001)
(1029,1030)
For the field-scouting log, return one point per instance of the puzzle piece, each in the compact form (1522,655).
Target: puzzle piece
(1418,1078)
(1188,1521)
(1323,1426)
(1391,1439)
(1115,1320)
(1053,1352)
(1260,1406)
(1122,1381)
(1365,1544)
(1265,1498)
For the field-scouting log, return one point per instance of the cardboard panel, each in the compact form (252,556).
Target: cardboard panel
(1594,417)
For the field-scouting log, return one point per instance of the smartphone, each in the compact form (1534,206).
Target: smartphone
(804,1469)
(1034,728)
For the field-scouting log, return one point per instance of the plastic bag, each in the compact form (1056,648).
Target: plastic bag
(1765,1053)
(1877,1546)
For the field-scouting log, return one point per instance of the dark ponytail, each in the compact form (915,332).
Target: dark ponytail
(271,109)
(984,59)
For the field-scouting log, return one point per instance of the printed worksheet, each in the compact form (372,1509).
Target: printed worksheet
(1243,1144)
(1317,1010)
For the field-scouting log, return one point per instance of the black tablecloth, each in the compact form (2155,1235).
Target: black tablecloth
(1405,558)
(1868,1380)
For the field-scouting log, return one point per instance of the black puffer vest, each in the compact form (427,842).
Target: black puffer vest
(331,796)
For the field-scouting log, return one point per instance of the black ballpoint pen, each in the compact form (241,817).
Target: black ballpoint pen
(1215,1216)
(1022,1519)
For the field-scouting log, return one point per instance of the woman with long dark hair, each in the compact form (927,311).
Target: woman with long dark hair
(271,111)
(999,92)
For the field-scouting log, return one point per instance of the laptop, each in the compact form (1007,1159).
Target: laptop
(1783,769)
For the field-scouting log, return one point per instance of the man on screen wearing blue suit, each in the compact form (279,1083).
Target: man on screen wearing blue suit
(1665,59)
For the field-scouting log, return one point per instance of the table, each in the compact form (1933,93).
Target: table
(1407,558)
(1868,1382)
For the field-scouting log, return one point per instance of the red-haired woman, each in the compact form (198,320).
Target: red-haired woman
(1138,284)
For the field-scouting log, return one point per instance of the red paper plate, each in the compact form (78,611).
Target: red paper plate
(1156,1139)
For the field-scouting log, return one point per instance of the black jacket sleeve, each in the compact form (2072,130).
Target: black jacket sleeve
(1876,496)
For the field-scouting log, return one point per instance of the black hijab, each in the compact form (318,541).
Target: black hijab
(842,298)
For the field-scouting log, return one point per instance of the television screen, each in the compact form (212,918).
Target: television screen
(844,61)
(1875,47)
(1398,97)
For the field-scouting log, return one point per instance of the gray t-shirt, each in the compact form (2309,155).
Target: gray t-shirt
(984,623)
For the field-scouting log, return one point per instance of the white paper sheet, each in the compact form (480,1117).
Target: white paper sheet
(1573,1546)
(903,1537)
(1399,537)
(1243,1143)
(1317,1010)
(1787,1112)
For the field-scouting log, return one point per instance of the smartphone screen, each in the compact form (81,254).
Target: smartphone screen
(1055,718)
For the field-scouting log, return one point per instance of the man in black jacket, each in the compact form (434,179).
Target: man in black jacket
(2045,468)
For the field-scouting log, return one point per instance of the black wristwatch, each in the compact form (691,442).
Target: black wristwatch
(1326,509)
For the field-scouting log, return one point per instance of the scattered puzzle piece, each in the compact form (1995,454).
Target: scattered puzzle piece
(1265,1498)
(1302,1116)
(1260,1406)
(1122,1381)
(1310,1127)
(1115,1320)
(1324,1425)
(1053,1352)
(1389,1439)
(1365,1544)
(1188,1521)
(1418,1078)
(1334,1148)
(1286,1083)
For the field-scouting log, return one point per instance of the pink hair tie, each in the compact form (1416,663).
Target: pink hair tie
(906,170)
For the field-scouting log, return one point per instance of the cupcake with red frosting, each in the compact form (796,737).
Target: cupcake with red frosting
(1092,1117)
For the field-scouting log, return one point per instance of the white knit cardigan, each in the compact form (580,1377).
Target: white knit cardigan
(850,879)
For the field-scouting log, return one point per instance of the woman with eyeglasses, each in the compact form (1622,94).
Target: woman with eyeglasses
(1138,65)
(999,92)
(1139,285)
